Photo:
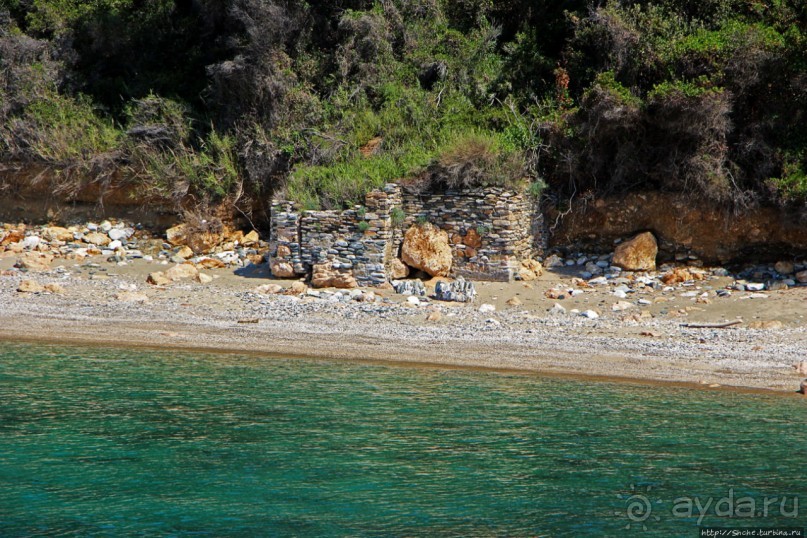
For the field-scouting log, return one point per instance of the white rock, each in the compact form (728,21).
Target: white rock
(755,286)
(575,293)
(31,242)
(645,302)
(413,300)
(620,294)
(117,234)
(590,314)
(558,309)
(114,245)
(106,226)
(487,308)
(621,305)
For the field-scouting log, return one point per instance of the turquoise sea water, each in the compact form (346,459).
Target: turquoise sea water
(101,442)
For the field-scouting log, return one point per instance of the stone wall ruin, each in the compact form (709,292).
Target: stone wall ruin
(491,231)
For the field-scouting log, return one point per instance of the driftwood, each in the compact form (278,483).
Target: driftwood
(711,325)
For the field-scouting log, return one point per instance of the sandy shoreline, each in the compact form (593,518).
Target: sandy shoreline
(191,316)
(544,363)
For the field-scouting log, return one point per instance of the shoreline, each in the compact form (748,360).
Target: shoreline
(525,326)
(169,336)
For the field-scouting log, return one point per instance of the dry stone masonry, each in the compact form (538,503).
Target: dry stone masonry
(490,232)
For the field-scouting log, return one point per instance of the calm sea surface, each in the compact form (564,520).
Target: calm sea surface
(104,442)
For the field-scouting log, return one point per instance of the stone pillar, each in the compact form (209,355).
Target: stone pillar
(284,240)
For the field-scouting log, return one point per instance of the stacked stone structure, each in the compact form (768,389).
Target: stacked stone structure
(491,230)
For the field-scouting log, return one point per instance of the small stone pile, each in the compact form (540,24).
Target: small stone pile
(409,287)
(36,247)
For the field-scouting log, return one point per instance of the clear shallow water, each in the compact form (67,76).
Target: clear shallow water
(112,442)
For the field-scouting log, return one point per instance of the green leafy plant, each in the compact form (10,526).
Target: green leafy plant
(398,216)
(536,188)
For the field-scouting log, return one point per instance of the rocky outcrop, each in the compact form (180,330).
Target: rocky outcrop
(684,226)
(426,247)
(638,253)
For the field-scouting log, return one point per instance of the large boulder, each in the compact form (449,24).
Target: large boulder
(426,247)
(177,235)
(638,253)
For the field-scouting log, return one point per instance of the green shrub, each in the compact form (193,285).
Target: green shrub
(60,130)
(536,188)
(398,216)
(792,186)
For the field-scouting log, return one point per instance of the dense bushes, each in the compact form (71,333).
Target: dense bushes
(209,100)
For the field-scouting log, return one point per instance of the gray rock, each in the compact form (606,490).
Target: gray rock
(460,291)
(409,287)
